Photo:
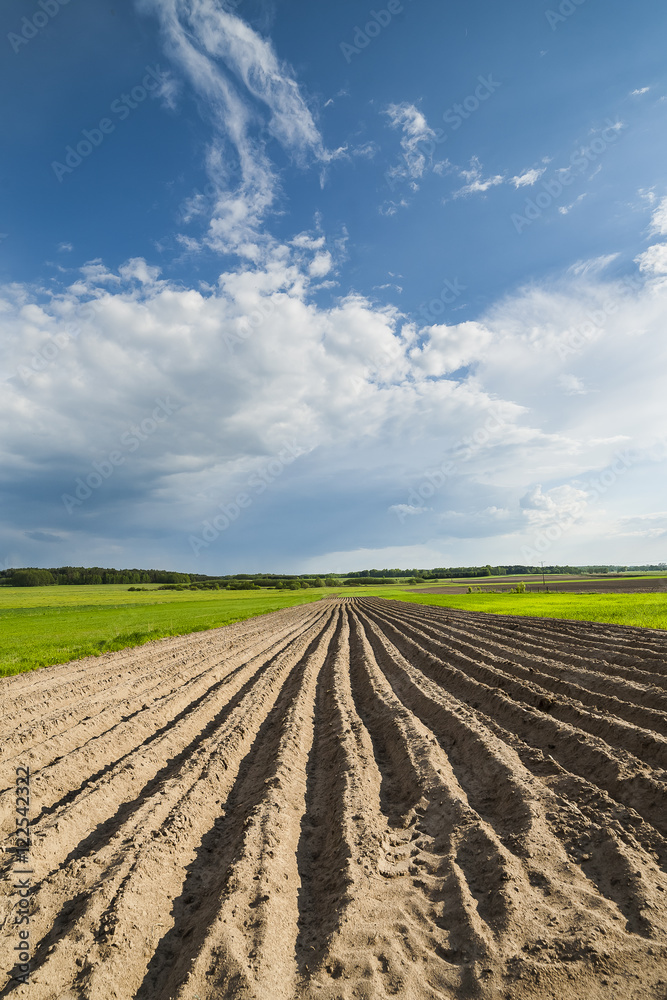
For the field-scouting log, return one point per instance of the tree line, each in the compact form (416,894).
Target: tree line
(86,575)
(95,575)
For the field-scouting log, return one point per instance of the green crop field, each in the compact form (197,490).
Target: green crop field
(645,610)
(45,625)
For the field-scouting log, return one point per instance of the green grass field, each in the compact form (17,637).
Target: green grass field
(645,610)
(44,625)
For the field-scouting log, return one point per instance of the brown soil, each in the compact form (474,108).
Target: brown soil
(556,585)
(351,799)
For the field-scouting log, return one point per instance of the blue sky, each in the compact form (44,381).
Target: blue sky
(288,286)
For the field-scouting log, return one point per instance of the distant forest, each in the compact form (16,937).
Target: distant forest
(95,575)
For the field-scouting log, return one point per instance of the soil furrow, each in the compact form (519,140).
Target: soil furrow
(555,819)
(638,703)
(246,863)
(627,779)
(354,799)
(643,743)
(578,641)
(127,696)
(111,749)
(163,836)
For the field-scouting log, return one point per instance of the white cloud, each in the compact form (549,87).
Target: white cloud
(254,362)
(367,150)
(475,182)
(649,526)
(653,261)
(637,93)
(246,90)
(648,195)
(418,144)
(595,265)
(97,272)
(448,348)
(560,504)
(307,242)
(169,90)
(408,510)
(566,209)
(188,243)
(659,219)
(416,132)
(137,269)
(528,178)
(320,265)
(391,207)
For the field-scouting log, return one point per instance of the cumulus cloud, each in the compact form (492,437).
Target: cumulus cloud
(320,265)
(372,405)
(654,260)
(448,348)
(560,504)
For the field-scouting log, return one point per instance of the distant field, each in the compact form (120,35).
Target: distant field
(644,610)
(570,582)
(47,625)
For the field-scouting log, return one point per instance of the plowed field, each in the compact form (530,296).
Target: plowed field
(348,799)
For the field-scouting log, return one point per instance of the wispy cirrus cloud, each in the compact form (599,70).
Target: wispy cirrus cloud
(653,260)
(418,143)
(659,219)
(249,95)
(592,266)
(476,183)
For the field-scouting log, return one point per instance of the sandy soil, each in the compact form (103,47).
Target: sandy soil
(351,799)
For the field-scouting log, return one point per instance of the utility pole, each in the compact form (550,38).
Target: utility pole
(543,580)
